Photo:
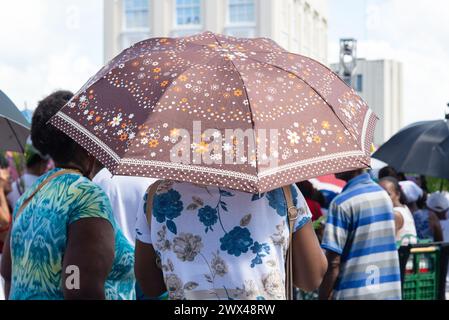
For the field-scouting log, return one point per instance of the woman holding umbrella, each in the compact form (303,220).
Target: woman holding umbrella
(64,242)
(271,118)
(216,243)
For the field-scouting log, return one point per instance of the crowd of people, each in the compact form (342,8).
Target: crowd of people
(138,238)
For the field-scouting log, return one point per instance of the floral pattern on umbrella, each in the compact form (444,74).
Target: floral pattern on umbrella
(218,110)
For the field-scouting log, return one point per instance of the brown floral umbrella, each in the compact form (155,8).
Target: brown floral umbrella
(216,110)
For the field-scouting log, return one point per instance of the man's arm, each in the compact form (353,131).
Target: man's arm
(334,241)
(330,278)
(309,262)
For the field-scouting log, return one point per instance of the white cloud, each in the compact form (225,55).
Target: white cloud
(48,45)
(417,34)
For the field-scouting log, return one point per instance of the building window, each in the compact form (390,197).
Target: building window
(136,14)
(240,32)
(241,11)
(130,38)
(188,12)
(359,83)
(136,22)
(241,21)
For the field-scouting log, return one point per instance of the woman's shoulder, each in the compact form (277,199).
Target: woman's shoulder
(187,189)
(80,187)
(78,181)
(183,187)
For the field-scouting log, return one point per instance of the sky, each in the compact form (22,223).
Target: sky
(414,32)
(58,44)
(47,45)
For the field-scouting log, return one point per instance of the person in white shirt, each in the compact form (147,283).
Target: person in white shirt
(124,194)
(36,165)
(405,224)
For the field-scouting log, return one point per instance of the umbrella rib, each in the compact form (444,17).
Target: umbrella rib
(319,94)
(15,135)
(249,107)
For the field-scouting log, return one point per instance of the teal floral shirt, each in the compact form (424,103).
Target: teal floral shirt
(39,237)
(216,243)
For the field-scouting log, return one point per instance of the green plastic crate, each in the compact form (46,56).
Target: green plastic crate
(422,285)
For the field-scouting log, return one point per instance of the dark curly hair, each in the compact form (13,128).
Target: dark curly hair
(388,172)
(48,139)
(397,187)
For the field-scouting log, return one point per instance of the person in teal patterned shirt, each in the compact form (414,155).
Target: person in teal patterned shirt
(65,243)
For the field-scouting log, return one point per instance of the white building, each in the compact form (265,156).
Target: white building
(379,82)
(298,25)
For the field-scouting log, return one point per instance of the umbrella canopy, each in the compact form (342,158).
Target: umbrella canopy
(14,128)
(216,110)
(330,183)
(421,148)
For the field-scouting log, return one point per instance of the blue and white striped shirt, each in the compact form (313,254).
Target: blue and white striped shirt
(360,228)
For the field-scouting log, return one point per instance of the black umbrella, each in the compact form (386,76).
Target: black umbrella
(421,148)
(14,128)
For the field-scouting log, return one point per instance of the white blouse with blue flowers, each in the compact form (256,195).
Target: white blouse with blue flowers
(216,243)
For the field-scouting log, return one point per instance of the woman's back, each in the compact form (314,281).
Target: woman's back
(220,244)
(39,237)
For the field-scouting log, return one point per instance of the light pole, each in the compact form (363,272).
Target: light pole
(348,60)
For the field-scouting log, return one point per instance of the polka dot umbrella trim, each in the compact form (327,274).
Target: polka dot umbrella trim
(217,110)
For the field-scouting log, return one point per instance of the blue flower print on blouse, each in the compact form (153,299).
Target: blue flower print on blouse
(166,207)
(276,200)
(208,216)
(237,241)
(261,250)
(294,195)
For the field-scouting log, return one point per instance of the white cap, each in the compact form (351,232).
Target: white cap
(411,191)
(438,202)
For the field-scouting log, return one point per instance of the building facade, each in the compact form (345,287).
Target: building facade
(380,84)
(299,26)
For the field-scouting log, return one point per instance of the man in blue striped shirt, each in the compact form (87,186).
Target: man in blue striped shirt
(359,239)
